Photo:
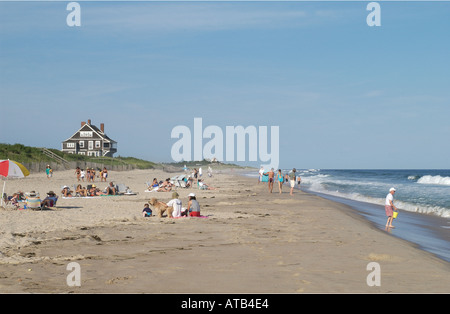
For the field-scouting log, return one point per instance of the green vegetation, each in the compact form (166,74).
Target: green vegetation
(27,154)
(22,154)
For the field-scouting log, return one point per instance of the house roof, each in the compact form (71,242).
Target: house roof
(94,129)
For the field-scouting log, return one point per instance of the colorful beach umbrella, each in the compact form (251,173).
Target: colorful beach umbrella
(11,169)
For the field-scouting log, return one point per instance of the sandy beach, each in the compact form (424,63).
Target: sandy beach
(251,241)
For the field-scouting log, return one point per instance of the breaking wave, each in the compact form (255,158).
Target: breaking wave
(436,180)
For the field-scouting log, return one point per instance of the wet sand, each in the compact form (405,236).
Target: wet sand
(251,241)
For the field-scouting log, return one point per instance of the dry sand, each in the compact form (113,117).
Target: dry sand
(250,242)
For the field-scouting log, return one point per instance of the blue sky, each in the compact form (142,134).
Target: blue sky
(344,95)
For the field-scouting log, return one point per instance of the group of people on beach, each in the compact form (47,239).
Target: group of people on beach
(90,190)
(18,197)
(294,179)
(167,185)
(161,186)
(89,174)
(290,177)
(192,209)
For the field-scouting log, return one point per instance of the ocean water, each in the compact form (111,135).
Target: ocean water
(422,197)
(418,191)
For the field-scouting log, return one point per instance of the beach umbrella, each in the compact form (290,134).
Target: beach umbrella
(11,169)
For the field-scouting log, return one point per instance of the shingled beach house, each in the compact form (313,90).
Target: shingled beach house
(91,141)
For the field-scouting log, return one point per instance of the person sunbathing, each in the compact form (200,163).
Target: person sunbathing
(203,186)
(66,192)
(166,186)
(81,190)
(93,191)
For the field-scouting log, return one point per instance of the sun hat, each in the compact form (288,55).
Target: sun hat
(191,194)
(392,189)
(175,195)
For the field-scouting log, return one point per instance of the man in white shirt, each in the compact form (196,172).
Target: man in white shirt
(176,204)
(389,207)
(261,173)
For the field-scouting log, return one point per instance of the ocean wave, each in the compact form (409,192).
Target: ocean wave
(402,205)
(436,180)
(320,180)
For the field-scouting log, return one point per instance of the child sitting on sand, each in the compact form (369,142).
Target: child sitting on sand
(146,212)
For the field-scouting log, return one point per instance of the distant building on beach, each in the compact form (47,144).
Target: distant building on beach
(91,141)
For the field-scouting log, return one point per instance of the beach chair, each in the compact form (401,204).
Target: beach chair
(51,204)
(174,181)
(33,202)
(9,202)
(122,189)
(181,181)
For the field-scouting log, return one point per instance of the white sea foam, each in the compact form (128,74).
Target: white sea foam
(317,184)
(437,180)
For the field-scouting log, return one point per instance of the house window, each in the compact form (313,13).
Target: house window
(94,153)
(70,145)
(86,134)
(81,144)
(97,144)
(91,145)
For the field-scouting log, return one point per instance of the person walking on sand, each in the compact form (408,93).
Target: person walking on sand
(48,171)
(103,174)
(280,180)
(82,174)
(271,175)
(78,173)
(292,180)
(389,208)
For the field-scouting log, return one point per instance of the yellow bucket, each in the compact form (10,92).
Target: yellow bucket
(395,214)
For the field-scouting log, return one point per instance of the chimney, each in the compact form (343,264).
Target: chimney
(102,127)
(83,123)
(89,121)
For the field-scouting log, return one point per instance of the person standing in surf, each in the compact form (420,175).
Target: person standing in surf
(292,180)
(389,207)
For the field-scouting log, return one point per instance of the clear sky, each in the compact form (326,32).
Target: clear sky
(344,95)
